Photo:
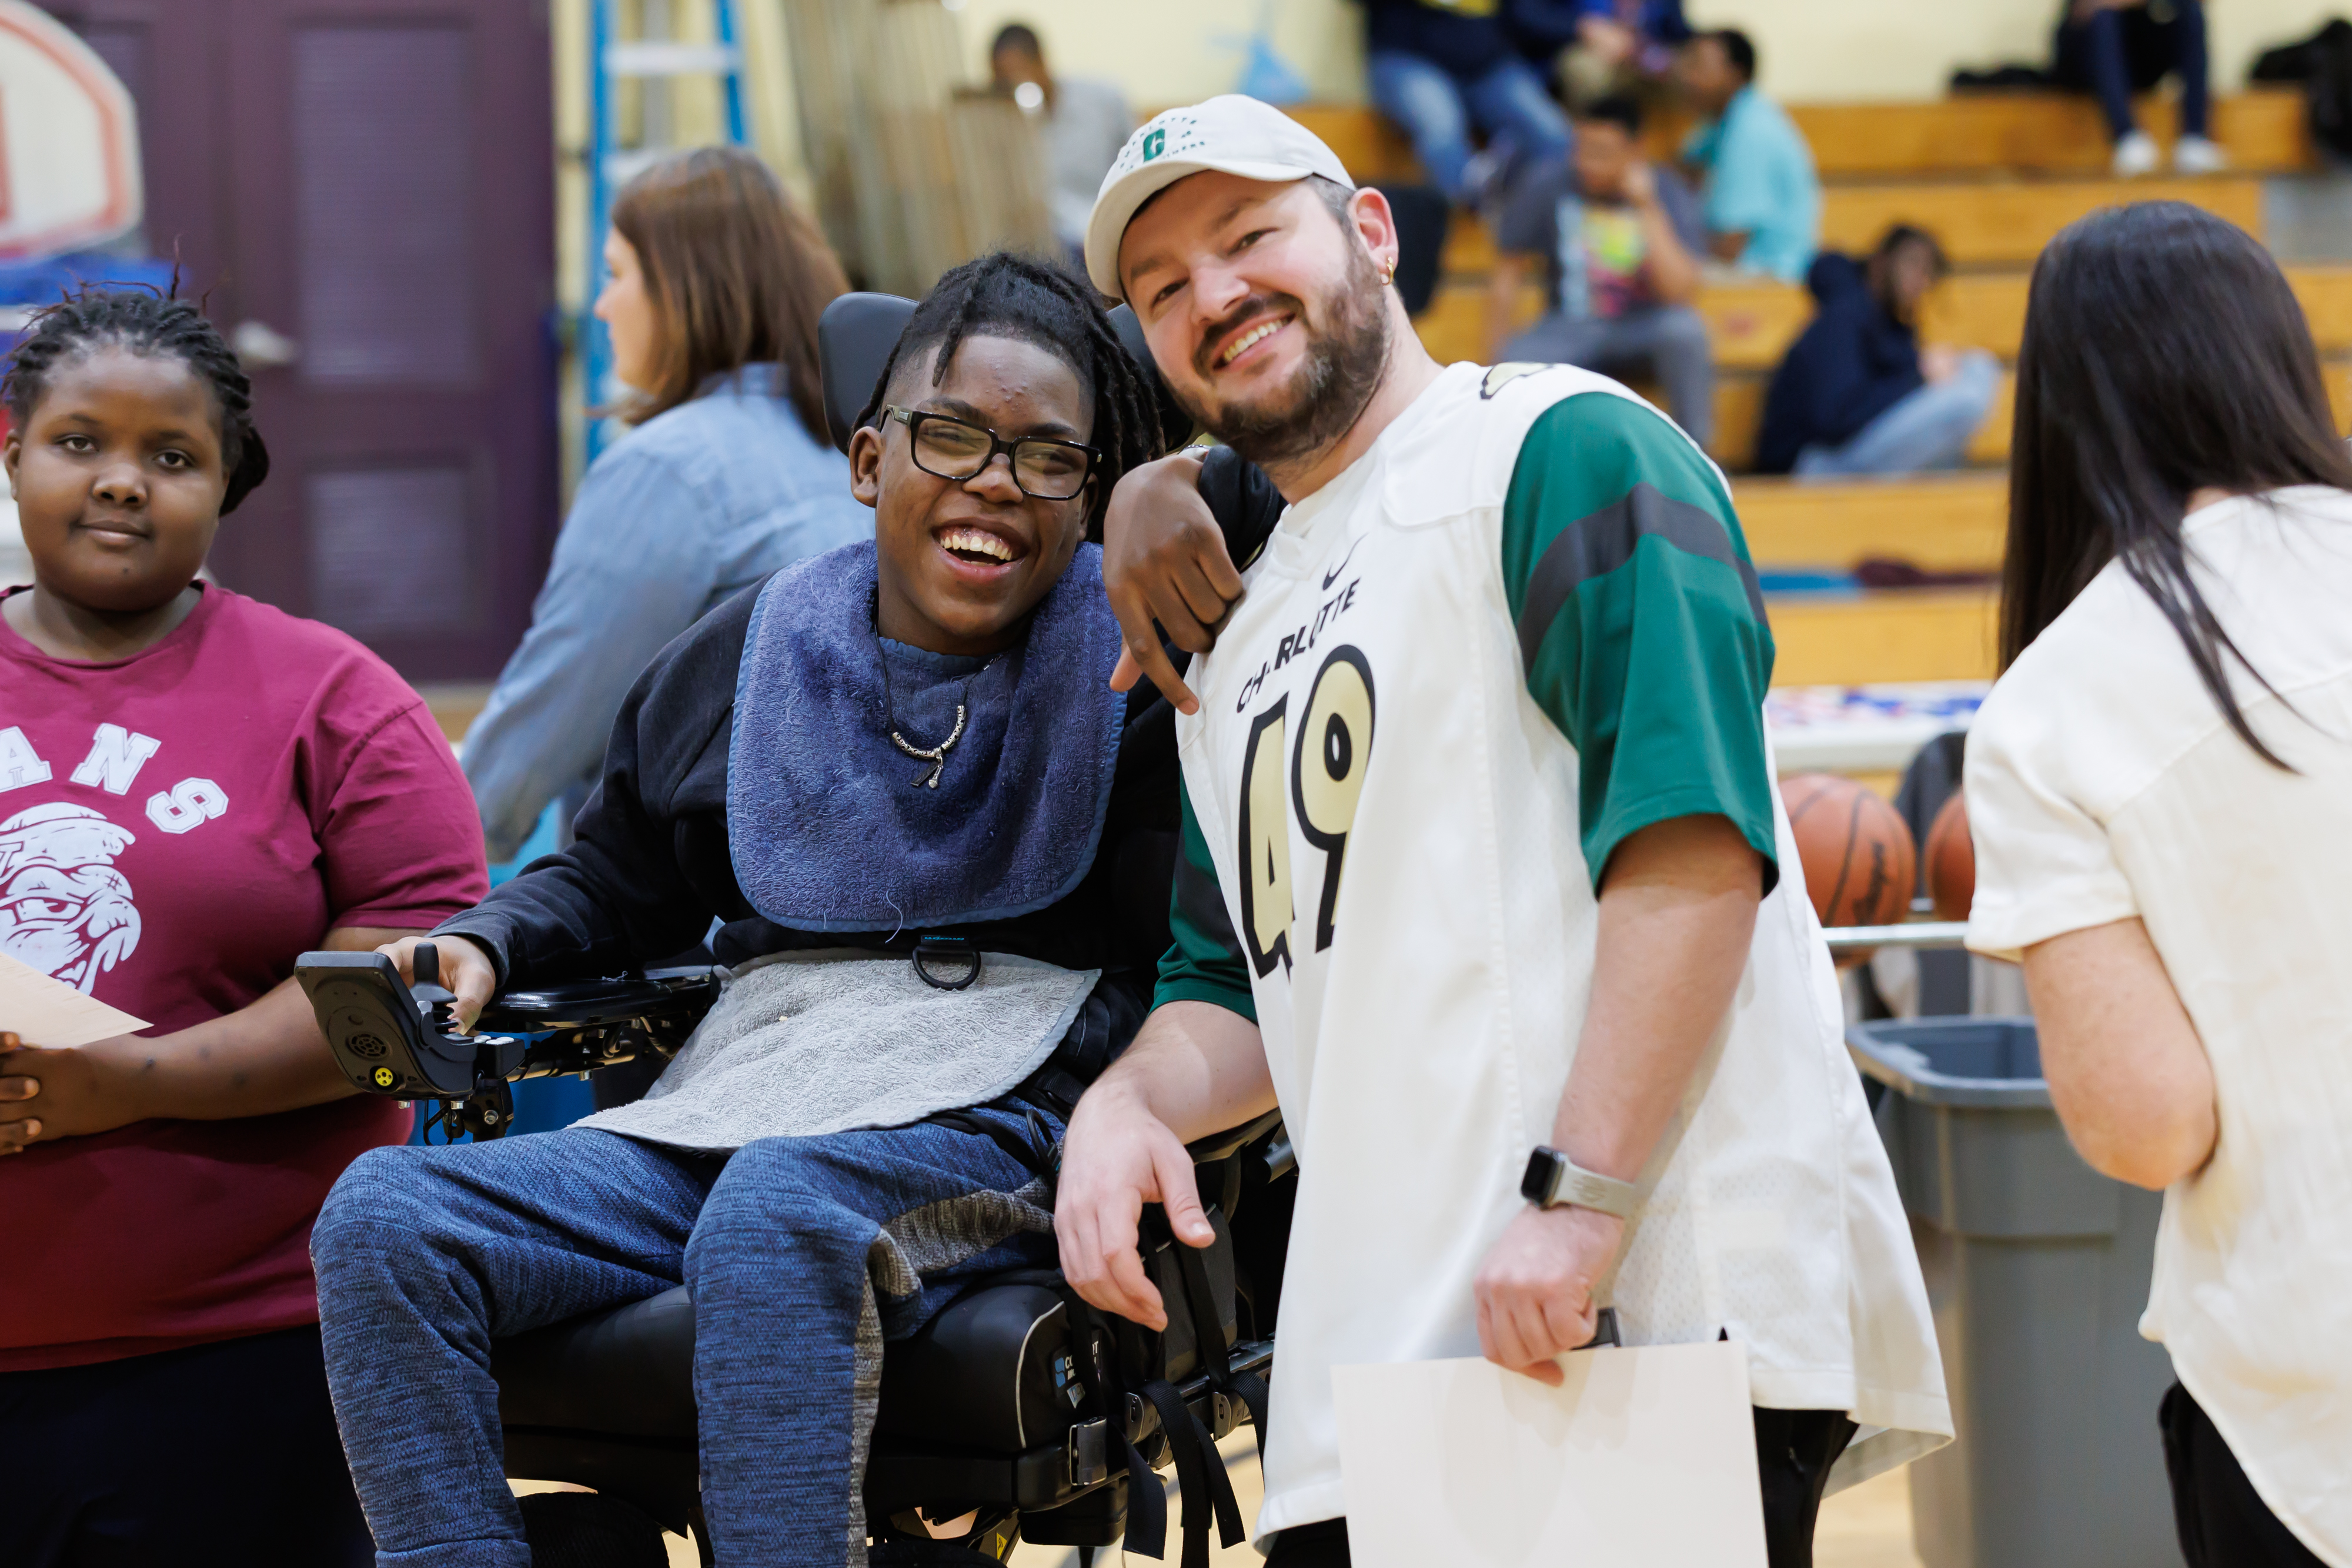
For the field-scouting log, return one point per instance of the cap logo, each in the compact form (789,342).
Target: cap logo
(1154,144)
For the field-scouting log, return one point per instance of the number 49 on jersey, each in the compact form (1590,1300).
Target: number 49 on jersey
(1320,778)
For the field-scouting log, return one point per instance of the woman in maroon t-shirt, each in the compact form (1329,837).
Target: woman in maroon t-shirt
(194,788)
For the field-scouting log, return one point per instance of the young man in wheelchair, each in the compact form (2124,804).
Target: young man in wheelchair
(936,846)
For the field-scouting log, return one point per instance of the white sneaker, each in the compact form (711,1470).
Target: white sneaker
(2137,154)
(2197,155)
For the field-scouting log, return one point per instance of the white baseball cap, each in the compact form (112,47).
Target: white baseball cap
(1230,134)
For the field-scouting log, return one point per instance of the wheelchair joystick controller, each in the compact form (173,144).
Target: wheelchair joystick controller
(398,1037)
(437,1002)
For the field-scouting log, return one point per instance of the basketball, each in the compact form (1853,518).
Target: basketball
(1951,860)
(1859,862)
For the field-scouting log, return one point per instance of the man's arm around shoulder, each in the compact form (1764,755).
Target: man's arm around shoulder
(1194,1068)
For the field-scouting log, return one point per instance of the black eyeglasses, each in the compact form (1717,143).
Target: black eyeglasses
(950,448)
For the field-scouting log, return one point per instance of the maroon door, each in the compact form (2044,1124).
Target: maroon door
(366,188)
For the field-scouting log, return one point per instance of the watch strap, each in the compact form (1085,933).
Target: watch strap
(1571,1185)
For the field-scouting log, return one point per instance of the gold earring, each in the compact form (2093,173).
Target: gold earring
(1388,275)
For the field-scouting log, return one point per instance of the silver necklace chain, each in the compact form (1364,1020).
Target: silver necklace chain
(937,756)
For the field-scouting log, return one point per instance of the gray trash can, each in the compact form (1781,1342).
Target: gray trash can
(2037,1268)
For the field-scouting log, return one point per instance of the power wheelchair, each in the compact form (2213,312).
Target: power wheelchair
(1019,1408)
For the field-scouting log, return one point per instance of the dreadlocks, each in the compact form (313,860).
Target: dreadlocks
(1008,295)
(144,322)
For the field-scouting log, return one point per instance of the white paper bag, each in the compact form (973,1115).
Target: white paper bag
(1644,1458)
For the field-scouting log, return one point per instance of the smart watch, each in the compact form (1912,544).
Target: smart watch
(1555,1181)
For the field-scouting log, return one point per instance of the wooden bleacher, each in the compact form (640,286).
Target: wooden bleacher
(2263,130)
(1945,523)
(1914,634)
(1995,176)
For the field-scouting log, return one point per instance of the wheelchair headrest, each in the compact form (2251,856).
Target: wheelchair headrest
(1175,425)
(854,340)
(857,331)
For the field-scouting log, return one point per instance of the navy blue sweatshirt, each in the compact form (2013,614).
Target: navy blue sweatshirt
(1469,38)
(1851,365)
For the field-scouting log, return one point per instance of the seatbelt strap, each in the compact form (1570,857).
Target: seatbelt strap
(1200,1297)
(1199,1475)
(1147,1508)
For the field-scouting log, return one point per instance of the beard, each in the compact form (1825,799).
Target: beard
(1324,397)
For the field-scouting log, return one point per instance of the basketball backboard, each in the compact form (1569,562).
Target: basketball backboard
(68,141)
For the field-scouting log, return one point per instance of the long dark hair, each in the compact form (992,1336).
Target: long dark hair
(2164,353)
(1010,295)
(737,272)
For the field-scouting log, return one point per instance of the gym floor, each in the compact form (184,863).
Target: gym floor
(1866,1526)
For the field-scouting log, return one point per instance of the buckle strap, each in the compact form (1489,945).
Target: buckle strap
(1146,1506)
(1200,1476)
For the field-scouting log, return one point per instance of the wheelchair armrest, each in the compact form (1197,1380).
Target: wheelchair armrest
(1233,1140)
(668,995)
(390,1037)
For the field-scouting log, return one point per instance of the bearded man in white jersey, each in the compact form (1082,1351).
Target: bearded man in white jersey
(1483,877)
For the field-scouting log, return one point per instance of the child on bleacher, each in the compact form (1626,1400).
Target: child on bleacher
(2117,47)
(1441,71)
(1856,394)
(1761,194)
(1618,242)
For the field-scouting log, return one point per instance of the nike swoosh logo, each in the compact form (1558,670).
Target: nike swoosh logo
(1333,575)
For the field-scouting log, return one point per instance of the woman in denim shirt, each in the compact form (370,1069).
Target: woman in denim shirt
(717,281)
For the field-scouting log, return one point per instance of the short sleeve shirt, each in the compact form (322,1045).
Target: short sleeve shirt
(175,829)
(1761,182)
(2103,783)
(1652,659)
(1519,629)
(1595,253)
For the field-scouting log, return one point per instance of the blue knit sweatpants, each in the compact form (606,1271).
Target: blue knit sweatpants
(805,1255)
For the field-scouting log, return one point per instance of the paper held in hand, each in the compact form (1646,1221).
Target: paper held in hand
(40,1010)
(1644,1457)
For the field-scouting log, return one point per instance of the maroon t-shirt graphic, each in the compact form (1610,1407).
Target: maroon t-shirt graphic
(175,829)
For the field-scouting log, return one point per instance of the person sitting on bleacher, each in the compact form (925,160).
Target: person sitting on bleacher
(2117,47)
(1621,47)
(1441,70)
(1620,243)
(1082,122)
(1761,194)
(1856,394)
(906,739)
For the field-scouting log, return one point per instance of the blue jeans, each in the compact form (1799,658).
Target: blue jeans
(805,1255)
(1667,344)
(1928,429)
(1438,110)
(2118,53)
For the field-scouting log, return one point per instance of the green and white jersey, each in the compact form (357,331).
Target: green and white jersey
(1520,628)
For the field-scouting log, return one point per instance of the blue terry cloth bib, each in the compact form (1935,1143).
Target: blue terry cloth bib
(830,827)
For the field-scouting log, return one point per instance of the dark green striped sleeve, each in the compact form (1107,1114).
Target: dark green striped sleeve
(1205,964)
(1640,626)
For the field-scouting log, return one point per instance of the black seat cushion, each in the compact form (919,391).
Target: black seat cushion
(993,1373)
(591,1529)
(628,1371)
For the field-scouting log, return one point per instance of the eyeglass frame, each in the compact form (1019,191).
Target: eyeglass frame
(910,417)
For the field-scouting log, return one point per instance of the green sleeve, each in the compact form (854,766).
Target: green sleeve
(1206,962)
(1641,625)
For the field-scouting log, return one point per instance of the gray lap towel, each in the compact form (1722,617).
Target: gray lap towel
(809,1042)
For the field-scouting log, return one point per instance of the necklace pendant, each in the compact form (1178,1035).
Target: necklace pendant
(937,756)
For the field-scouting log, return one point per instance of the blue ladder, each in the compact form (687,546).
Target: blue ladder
(611,58)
